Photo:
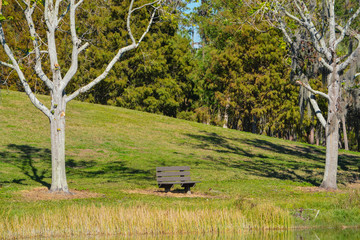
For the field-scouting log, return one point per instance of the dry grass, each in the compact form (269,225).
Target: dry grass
(126,221)
(43,193)
(174,193)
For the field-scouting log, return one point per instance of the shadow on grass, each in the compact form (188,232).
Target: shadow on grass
(35,163)
(32,161)
(117,170)
(267,158)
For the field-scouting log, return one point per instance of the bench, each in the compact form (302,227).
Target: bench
(167,177)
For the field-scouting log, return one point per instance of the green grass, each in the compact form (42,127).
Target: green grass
(111,150)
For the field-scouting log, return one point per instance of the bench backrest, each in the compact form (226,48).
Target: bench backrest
(173,174)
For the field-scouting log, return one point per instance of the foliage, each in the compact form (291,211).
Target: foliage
(245,72)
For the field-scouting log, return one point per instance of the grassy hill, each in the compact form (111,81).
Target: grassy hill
(113,150)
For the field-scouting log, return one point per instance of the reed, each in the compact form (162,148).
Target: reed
(76,220)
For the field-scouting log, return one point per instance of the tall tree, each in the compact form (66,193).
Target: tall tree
(326,32)
(244,72)
(55,14)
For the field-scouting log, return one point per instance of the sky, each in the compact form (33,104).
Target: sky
(191,6)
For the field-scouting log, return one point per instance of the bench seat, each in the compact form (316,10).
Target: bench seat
(167,177)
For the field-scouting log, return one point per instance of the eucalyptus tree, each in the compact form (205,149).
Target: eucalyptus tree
(45,38)
(327,33)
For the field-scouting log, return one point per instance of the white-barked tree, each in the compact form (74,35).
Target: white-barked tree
(45,48)
(328,35)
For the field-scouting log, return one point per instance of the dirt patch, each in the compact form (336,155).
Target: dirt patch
(355,185)
(177,194)
(43,193)
(315,189)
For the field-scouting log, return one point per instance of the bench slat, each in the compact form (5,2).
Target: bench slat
(175,168)
(164,174)
(167,179)
(187,182)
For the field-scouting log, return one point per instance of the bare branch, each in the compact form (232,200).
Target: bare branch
(79,3)
(351,56)
(64,13)
(128,21)
(316,109)
(38,67)
(293,17)
(347,26)
(75,49)
(115,59)
(312,90)
(307,23)
(103,75)
(83,47)
(149,25)
(7,64)
(26,86)
(147,4)
(325,64)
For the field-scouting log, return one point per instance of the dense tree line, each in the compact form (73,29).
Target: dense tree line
(239,78)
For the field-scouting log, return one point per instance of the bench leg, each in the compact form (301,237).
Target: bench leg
(187,190)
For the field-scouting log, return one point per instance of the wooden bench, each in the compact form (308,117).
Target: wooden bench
(167,177)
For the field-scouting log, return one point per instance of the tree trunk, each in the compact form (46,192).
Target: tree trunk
(331,163)
(226,115)
(253,125)
(317,137)
(332,133)
(311,135)
(346,142)
(57,125)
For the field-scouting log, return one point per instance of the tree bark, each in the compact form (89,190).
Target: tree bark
(331,162)
(346,142)
(58,178)
(332,132)
(226,115)
(311,135)
(57,128)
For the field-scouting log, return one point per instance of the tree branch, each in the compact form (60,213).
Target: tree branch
(83,47)
(103,75)
(64,13)
(352,56)
(345,29)
(325,64)
(79,3)
(7,64)
(117,56)
(128,21)
(149,25)
(316,109)
(26,86)
(75,49)
(307,23)
(146,4)
(312,90)
(38,67)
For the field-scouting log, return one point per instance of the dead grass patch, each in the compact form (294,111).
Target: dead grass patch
(355,185)
(315,189)
(175,193)
(43,193)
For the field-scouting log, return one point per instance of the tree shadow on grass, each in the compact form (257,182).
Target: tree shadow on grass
(118,170)
(264,158)
(35,163)
(32,161)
